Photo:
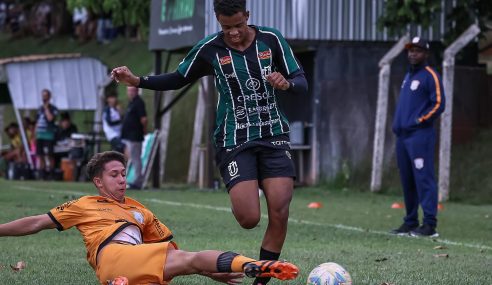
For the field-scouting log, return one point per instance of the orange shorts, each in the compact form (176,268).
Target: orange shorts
(141,264)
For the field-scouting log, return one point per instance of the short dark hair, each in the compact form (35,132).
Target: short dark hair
(65,116)
(47,91)
(97,163)
(229,7)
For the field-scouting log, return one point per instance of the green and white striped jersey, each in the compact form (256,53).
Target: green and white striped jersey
(247,107)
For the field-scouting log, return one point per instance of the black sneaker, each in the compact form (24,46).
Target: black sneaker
(425,231)
(403,230)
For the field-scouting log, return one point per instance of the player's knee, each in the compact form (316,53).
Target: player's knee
(281,213)
(249,222)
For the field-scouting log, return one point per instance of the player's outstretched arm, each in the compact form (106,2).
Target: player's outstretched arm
(124,75)
(27,226)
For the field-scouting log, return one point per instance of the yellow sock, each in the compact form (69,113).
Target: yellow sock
(238,263)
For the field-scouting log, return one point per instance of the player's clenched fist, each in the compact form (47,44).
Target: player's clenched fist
(124,75)
(278,81)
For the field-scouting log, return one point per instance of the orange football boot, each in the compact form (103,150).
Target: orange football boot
(281,270)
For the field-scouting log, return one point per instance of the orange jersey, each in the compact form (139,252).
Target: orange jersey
(99,219)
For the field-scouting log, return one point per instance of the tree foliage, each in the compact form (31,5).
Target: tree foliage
(129,12)
(398,14)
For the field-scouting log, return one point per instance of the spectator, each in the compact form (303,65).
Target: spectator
(16,152)
(45,135)
(65,128)
(105,31)
(3,15)
(133,131)
(30,127)
(80,20)
(112,123)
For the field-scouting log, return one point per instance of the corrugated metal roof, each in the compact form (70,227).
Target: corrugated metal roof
(37,57)
(333,20)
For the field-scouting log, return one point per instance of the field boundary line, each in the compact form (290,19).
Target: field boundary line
(263,216)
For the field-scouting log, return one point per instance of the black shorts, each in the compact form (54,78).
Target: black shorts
(44,147)
(256,160)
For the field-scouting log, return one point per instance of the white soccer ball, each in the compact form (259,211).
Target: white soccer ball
(329,273)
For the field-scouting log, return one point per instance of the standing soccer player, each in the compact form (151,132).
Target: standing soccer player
(420,104)
(251,65)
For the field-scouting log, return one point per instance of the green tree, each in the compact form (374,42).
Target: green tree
(399,13)
(123,12)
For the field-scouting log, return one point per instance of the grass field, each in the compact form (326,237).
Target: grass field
(351,229)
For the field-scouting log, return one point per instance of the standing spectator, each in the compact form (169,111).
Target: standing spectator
(3,15)
(133,131)
(45,135)
(420,104)
(112,123)
(80,19)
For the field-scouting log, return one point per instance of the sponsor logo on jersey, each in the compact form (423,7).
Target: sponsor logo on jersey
(240,112)
(66,205)
(257,96)
(261,109)
(279,143)
(233,169)
(225,60)
(232,75)
(265,55)
(253,84)
(240,126)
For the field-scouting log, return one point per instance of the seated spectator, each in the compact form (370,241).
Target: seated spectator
(16,152)
(112,123)
(63,134)
(65,127)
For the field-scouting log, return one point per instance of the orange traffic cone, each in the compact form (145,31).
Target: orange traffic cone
(315,205)
(397,205)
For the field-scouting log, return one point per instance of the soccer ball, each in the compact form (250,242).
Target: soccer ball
(329,273)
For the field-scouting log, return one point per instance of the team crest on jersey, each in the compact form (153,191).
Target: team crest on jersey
(233,169)
(225,60)
(414,85)
(265,54)
(265,71)
(138,216)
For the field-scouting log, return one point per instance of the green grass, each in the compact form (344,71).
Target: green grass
(350,229)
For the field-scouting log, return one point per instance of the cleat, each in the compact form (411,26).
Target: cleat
(281,270)
(120,280)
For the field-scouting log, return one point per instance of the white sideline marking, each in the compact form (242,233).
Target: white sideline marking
(296,221)
(291,220)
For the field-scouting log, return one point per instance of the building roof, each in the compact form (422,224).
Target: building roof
(38,57)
